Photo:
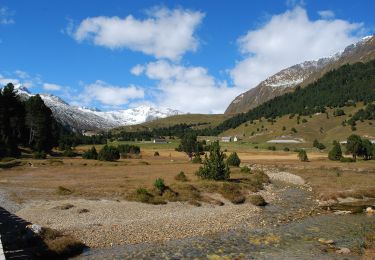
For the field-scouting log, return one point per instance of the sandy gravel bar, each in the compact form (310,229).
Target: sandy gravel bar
(111,223)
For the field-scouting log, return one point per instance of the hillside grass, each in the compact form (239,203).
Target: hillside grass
(318,127)
(205,120)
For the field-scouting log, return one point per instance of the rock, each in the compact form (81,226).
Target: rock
(326,241)
(35,228)
(343,250)
(370,210)
(342,212)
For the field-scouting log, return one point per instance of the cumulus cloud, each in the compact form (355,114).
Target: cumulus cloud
(137,70)
(287,39)
(6,16)
(109,95)
(51,87)
(189,89)
(326,14)
(164,33)
(5,80)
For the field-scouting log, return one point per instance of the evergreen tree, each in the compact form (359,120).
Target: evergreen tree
(40,124)
(12,116)
(335,154)
(108,153)
(366,149)
(302,155)
(233,160)
(214,167)
(354,145)
(190,145)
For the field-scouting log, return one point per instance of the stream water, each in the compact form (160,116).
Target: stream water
(297,239)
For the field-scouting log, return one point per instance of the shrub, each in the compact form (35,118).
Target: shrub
(286,149)
(128,148)
(233,160)
(63,191)
(196,159)
(345,159)
(335,154)
(304,120)
(318,145)
(181,177)
(160,185)
(257,200)
(338,112)
(214,167)
(156,153)
(302,155)
(245,169)
(90,154)
(142,195)
(294,130)
(69,152)
(108,153)
(232,192)
(39,155)
(272,148)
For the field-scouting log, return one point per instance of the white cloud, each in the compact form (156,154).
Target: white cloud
(287,39)
(164,34)
(137,70)
(108,94)
(326,14)
(22,74)
(189,89)
(6,16)
(4,81)
(51,87)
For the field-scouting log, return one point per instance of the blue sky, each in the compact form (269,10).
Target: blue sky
(195,56)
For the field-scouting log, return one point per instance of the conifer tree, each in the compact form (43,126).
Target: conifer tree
(335,154)
(214,166)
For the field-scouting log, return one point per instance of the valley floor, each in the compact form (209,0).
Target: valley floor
(97,212)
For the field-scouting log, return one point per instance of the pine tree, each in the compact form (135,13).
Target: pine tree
(335,154)
(39,122)
(214,167)
(12,114)
(302,155)
(354,145)
(233,160)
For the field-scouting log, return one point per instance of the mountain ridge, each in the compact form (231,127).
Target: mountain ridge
(301,74)
(89,119)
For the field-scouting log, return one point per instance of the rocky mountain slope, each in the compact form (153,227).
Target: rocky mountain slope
(301,74)
(85,119)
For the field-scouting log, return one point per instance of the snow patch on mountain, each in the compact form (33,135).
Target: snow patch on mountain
(92,119)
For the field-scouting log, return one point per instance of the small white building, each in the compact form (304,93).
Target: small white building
(226,139)
(159,141)
(236,138)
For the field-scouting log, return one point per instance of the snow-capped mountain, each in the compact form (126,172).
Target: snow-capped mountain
(301,74)
(92,119)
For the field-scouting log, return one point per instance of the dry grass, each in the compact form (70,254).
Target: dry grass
(60,245)
(257,200)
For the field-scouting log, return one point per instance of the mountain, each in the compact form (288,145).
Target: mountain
(87,119)
(301,74)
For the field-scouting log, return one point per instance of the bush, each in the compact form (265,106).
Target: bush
(69,152)
(181,177)
(156,153)
(196,159)
(318,145)
(304,120)
(232,192)
(128,148)
(108,153)
(302,155)
(39,155)
(233,160)
(142,195)
(214,167)
(272,148)
(90,154)
(159,185)
(245,169)
(335,154)
(345,159)
(286,149)
(257,200)
(294,130)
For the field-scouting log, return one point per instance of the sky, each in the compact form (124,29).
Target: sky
(194,56)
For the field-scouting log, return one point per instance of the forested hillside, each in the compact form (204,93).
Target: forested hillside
(346,85)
